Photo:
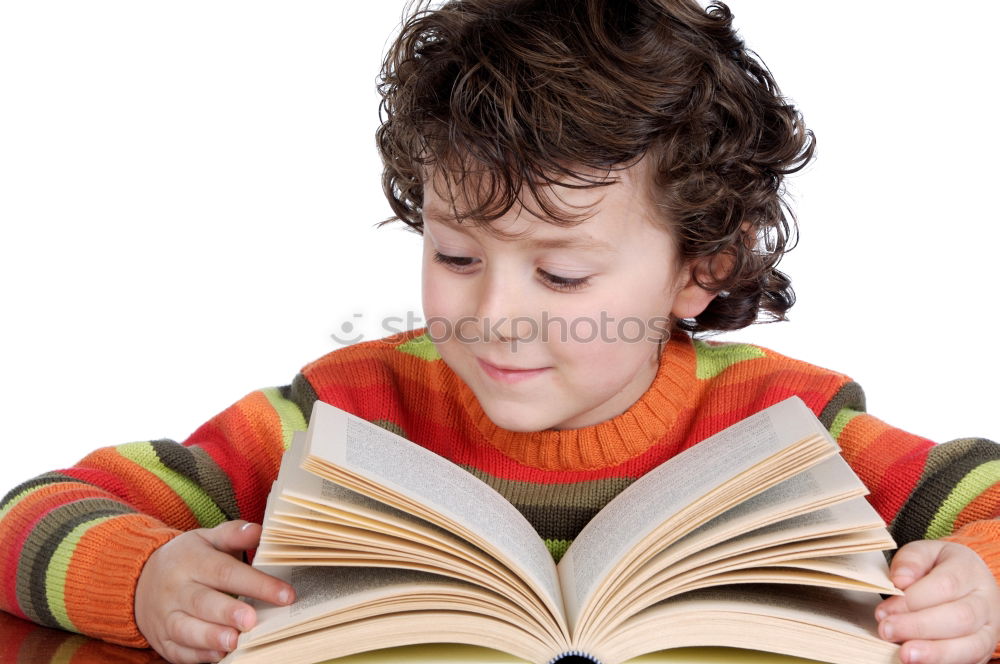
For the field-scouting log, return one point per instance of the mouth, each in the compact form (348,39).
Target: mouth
(509,374)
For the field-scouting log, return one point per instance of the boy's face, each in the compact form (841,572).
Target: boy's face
(584,320)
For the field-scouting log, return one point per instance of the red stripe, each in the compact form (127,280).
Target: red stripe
(114,485)
(214,442)
(253,426)
(898,482)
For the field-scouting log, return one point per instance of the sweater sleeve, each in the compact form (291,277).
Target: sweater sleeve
(73,542)
(925,490)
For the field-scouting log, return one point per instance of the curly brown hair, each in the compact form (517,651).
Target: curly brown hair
(507,94)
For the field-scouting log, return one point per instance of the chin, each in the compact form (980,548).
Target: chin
(519,421)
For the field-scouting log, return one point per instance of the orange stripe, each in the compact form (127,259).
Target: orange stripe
(889,461)
(983,506)
(870,446)
(376,348)
(786,372)
(100,582)
(155,497)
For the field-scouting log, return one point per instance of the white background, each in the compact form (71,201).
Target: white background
(188,192)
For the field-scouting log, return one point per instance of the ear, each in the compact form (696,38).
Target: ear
(691,298)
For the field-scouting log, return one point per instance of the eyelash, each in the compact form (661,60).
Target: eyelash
(558,283)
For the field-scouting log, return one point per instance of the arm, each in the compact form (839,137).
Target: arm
(942,503)
(73,543)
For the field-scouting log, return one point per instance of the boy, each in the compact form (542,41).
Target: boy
(564,162)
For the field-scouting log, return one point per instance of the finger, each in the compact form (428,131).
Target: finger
(222,572)
(190,632)
(976,647)
(233,537)
(913,561)
(948,581)
(213,606)
(943,621)
(890,606)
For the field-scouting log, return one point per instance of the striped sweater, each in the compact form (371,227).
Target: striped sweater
(73,542)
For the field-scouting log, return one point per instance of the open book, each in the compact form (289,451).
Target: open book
(758,537)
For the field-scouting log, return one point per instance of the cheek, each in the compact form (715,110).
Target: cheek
(431,286)
(433,297)
(610,338)
(596,326)
(440,295)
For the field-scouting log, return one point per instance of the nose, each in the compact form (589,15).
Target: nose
(501,308)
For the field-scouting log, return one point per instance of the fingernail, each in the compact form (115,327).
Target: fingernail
(226,641)
(246,526)
(887,631)
(904,571)
(880,615)
(243,618)
(914,656)
(285,596)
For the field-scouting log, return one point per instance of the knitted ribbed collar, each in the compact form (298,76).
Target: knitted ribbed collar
(607,443)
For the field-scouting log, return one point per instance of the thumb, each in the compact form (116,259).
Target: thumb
(234,537)
(913,561)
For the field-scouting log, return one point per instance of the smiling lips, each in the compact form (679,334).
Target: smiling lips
(509,375)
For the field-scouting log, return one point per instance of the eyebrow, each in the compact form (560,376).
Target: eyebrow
(586,242)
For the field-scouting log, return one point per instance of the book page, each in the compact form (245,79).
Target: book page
(666,490)
(827,494)
(314,521)
(322,590)
(824,499)
(798,621)
(375,454)
(295,482)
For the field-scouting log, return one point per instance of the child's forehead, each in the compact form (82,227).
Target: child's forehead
(532,233)
(462,200)
(596,219)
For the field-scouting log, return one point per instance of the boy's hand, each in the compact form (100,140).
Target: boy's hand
(951,610)
(181,605)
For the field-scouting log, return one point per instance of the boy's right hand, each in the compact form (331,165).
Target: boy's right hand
(181,601)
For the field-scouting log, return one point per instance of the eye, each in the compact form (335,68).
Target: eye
(564,283)
(453,261)
(555,282)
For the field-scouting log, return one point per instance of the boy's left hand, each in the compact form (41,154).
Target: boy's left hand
(950,612)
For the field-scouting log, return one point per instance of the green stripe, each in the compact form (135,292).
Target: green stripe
(288,413)
(979,479)
(841,420)
(712,360)
(557,547)
(204,508)
(55,575)
(420,346)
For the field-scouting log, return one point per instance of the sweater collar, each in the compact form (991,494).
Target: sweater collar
(607,443)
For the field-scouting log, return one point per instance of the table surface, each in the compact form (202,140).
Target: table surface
(22,642)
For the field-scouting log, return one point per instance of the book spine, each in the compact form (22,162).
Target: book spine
(572,657)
